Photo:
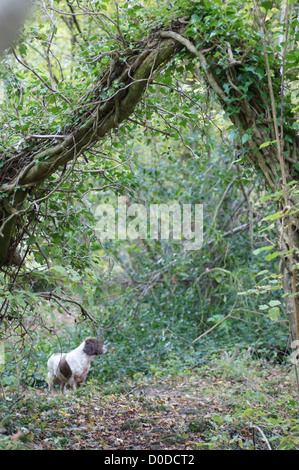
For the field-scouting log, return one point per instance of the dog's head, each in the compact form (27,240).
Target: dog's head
(92,347)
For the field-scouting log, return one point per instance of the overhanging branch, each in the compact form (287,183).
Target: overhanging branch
(99,119)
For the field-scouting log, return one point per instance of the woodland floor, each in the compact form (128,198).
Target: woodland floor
(228,406)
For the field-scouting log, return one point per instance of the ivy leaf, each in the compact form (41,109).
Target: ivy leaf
(245,138)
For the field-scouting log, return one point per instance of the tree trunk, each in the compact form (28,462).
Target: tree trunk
(253,118)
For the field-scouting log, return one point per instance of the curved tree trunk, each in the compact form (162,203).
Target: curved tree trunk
(36,165)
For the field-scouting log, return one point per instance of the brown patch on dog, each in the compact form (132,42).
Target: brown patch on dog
(65,368)
(91,347)
(79,378)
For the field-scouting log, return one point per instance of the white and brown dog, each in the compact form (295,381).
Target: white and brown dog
(72,368)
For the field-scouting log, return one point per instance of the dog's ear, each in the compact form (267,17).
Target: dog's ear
(91,347)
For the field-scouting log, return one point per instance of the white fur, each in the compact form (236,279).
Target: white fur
(78,362)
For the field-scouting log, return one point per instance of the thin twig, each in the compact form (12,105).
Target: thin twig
(254,426)
(222,198)
(191,48)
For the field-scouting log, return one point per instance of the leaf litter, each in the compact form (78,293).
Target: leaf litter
(220,407)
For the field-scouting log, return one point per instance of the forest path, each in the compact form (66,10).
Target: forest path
(205,409)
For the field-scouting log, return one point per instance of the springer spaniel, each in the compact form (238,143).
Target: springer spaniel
(72,368)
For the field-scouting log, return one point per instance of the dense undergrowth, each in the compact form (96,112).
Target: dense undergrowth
(143,345)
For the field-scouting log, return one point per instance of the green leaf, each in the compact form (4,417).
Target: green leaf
(263,307)
(60,270)
(267,5)
(275,216)
(23,49)
(195,18)
(31,240)
(274,313)
(265,144)
(274,303)
(245,138)
(264,271)
(264,248)
(272,256)
(80,290)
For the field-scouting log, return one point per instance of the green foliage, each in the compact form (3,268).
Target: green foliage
(147,331)
(150,299)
